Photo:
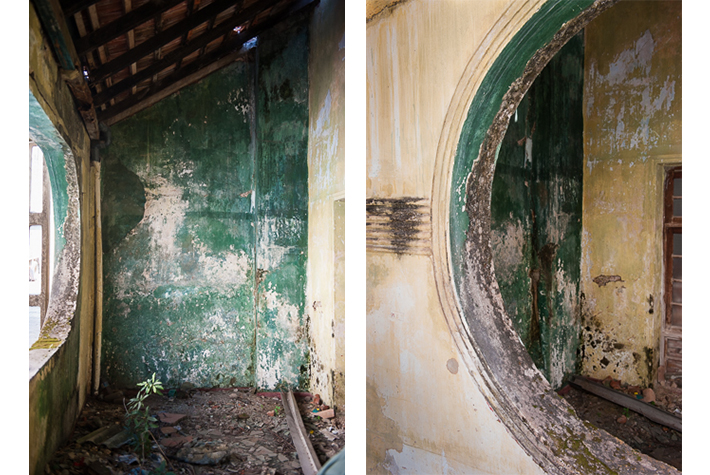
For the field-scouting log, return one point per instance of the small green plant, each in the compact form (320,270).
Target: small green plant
(276,410)
(626,412)
(138,419)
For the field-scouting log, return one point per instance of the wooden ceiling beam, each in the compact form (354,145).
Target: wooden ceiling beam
(55,27)
(130,37)
(160,40)
(127,22)
(70,7)
(196,70)
(122,111)
(176,55)
(191,5)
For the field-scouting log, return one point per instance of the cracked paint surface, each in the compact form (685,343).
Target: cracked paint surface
(204,226)
(633,90)
(536,214)
(326,188)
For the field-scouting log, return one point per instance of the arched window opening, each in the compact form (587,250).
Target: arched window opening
(515,388)
(41,240)
(55,266)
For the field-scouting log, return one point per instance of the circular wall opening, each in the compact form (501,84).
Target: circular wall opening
(64,290)
(540,421)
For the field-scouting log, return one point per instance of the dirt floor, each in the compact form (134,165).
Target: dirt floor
(216,431)
(648,437)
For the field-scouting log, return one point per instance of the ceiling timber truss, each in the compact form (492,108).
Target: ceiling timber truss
(120,56)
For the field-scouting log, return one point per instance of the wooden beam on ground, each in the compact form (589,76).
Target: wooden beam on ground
(651,412)
(306,455)
(127,22)
(149,46)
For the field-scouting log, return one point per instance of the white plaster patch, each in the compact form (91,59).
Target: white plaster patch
(508,249)
(269,254)
(287,315)
(224,271)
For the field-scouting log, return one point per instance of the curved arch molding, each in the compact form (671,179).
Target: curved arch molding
(67,234)
(540,421)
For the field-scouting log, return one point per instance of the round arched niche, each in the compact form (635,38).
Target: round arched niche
(517,48)
(64,290)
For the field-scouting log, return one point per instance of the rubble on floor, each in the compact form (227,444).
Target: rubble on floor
(644,435)
(201,431)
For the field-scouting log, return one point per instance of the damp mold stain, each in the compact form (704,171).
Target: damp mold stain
(205,226)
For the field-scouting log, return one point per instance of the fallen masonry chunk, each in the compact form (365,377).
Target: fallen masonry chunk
(648,395)
(327,414)
(175,441)
(203,453)
(170,418)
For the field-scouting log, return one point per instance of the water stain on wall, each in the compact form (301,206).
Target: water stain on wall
(206,234)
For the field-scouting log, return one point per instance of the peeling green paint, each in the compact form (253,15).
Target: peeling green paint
(536,210)
(43,132)
(205,195)
(282,210)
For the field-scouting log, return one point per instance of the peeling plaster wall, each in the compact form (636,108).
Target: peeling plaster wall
(536,214)
(205,224)
(57,391)
(632,113)
(282,206)
(425,413)
(326,186)
(179,238)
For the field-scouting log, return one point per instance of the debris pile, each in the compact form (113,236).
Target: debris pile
(200,431)
(653,439)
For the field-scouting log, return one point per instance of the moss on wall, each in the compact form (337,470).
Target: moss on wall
(282,208)
(178,238)
(204,225)
(536,211)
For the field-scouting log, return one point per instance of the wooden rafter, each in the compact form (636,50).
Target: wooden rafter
(175,56)
(126,23)
(160,40)
(120,56)
(71,7)
(130,39)
(202,66)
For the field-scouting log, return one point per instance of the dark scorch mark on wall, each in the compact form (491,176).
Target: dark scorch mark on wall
(399,225)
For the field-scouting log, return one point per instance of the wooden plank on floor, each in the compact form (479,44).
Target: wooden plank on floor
(651,412)
(306,455)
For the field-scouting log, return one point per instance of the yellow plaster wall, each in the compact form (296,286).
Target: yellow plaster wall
(425,412)
(326,185)
(55,399)
(632,130)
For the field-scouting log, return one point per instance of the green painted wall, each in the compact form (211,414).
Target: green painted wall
(536,210)
(282,208)
(205,197)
